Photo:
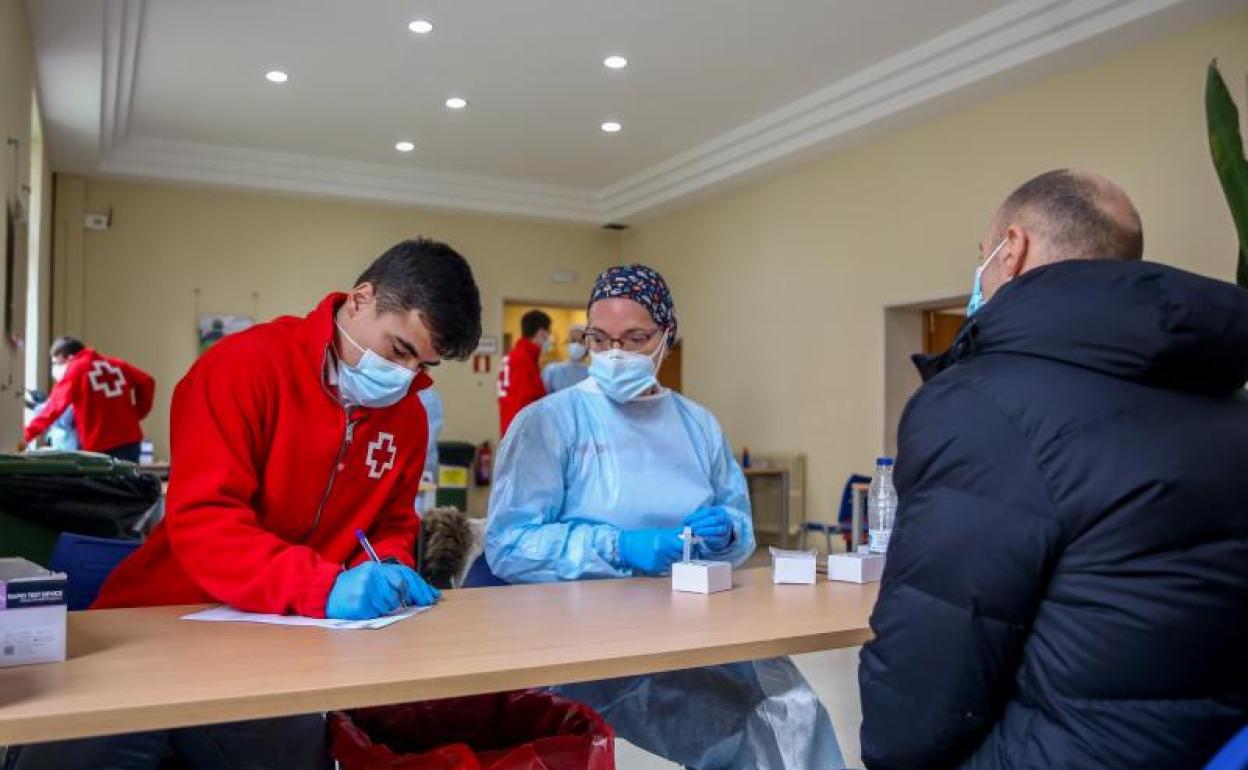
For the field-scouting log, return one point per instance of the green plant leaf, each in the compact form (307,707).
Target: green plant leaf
(1226,145)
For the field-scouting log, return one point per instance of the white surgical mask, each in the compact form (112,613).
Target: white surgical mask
(577,351)
(625,376)
(58,371)
(374,382)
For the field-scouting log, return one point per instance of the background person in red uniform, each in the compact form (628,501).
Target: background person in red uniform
(109,397)
(286,438)
(520,380)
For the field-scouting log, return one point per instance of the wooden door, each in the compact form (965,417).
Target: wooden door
(940,329)
(670,371)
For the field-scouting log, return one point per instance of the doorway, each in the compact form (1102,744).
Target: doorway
(940,328)
(923,327)
(562,318)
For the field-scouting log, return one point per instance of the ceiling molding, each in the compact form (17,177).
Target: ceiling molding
(993,44)
(150,158)
(123,23)
(990,45)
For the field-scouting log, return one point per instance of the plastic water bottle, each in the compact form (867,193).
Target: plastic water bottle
(881,506)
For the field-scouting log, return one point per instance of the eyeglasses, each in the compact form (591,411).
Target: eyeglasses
(633,340)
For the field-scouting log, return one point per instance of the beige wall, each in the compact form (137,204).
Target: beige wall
(781,286)
(173,252)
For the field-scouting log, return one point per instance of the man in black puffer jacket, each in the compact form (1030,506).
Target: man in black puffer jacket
(1067,583)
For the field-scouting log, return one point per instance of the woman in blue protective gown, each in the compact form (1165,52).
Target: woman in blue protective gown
(598,481)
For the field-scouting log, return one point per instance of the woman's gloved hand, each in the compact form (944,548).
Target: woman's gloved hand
(371,590)
(651,551)
(713,526)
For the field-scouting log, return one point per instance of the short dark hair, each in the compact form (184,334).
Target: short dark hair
(533,322)
(65,346)
(1070,205)
(433,279)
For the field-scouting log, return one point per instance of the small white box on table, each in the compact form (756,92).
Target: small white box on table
(701,577)
(861,567)
(792,567)
(32,614)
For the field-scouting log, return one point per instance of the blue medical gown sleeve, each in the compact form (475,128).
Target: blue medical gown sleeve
(432,402)
(730,493)
(525,542)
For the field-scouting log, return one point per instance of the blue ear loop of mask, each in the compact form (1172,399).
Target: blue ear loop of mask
(977,291)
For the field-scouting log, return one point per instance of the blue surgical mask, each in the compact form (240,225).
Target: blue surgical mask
(577,351)
(977,291)
(625,376)
(374,382)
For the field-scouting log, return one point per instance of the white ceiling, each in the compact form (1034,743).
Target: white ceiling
(715,89)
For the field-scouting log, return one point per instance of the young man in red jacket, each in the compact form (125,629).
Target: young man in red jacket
(109,398)
(520,380)
(286,439)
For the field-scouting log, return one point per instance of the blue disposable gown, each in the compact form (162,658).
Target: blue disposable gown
(563,374)
(63,434)
(432,401)
(575,469)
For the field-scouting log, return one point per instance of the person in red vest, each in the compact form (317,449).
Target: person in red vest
(109,398)
(287,439)
(520,380)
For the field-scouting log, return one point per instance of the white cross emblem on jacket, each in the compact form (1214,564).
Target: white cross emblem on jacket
(107,379)
(378,464)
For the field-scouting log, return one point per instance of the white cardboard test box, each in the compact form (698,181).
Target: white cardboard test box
(793,567)
(861,567)
(32,614)
(701,577)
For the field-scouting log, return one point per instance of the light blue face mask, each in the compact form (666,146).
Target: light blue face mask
(977,291)
(374,382)
(625,376)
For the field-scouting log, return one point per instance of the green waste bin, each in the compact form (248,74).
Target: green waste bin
(43,494)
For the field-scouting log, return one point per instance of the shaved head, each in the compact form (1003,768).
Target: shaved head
(1074,214)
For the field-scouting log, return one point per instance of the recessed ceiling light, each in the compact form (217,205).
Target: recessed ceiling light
(420,27)
(276,76)
(611,127)
(404,146)
(457,102)
(615,62)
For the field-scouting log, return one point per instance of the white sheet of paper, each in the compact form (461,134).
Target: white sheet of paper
(231,615)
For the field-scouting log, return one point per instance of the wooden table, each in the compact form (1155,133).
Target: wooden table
(144,669)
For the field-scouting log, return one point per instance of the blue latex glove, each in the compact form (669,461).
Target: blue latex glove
(418,593)
(651,551)
(713,525)
(371,590)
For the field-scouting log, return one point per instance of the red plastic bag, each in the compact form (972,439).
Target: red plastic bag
(525,730)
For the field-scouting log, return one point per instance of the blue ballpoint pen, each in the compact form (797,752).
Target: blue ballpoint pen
(368,550)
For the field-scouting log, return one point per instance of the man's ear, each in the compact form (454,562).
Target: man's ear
(360,298)
(1015,252)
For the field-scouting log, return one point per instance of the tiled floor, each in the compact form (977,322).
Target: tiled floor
(833,674)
